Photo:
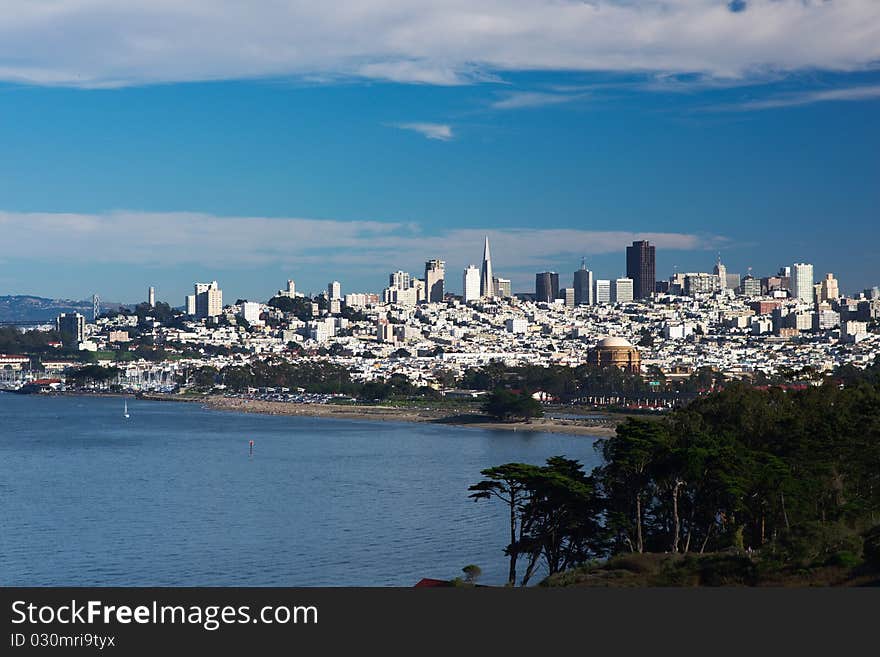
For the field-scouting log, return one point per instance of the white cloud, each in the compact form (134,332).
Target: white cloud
(439,131)
(866,92)
(100,43)
(528,99)
(160,239)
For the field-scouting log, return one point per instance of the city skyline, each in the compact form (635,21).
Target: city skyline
(197,161)
(562,279)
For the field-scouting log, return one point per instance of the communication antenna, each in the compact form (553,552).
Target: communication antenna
(96,307)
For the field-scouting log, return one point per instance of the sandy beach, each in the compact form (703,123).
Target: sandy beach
(578,427)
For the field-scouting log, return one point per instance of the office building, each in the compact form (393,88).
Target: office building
(751,286)
(487,281)
(583,286)
(502,287)
(435,273)
(72,327)
(641,268)
(334,290)
(567,296)
(622,291)
(700,283)
(802,282)
(546,286)
(720,271)
(471,284)
(602,291)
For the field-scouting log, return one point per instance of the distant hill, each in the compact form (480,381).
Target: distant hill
(26,308)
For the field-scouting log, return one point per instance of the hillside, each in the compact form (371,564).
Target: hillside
(27,308)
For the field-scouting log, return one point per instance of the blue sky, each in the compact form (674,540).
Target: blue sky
(124,166)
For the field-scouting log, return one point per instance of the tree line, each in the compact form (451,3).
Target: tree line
(792,476)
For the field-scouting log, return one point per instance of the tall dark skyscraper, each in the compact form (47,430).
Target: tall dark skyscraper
(546,286)
(640,267)
(583,286)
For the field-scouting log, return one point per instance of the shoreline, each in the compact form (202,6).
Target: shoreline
(392,414)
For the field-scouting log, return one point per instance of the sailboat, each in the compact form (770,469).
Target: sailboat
(125,412)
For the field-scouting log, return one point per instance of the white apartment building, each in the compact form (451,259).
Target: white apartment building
(471,283)
(802,281)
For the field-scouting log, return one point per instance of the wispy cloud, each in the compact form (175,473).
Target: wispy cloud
(866,92)
(103,43)
(529,99)
(130,238)
(440,131)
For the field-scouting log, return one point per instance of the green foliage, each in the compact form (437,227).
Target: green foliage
(472,573)
(299,306)
(507,406)
(790,475)
(90,374)
(816,543)
(161,312)
(551,510)
(14,341)
(871,545)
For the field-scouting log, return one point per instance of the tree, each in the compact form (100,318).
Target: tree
(507,406)
(206,377)
(472,573)
(508,483)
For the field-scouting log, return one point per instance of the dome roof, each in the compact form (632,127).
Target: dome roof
(613,342)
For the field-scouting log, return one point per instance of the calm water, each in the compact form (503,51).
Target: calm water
(171,497)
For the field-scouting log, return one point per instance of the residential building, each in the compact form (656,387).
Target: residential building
(830,289)
(207,301)
(435,273)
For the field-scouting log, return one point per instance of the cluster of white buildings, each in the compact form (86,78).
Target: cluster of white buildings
(732,324)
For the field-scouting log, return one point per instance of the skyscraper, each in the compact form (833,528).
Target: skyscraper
(487,283)
(622,290)
(602,292)
(640,267)
(471,283)
(546,286)
(721,272)
(435,273)
(72,327)
(583,286)
(334,290)
(802,281)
